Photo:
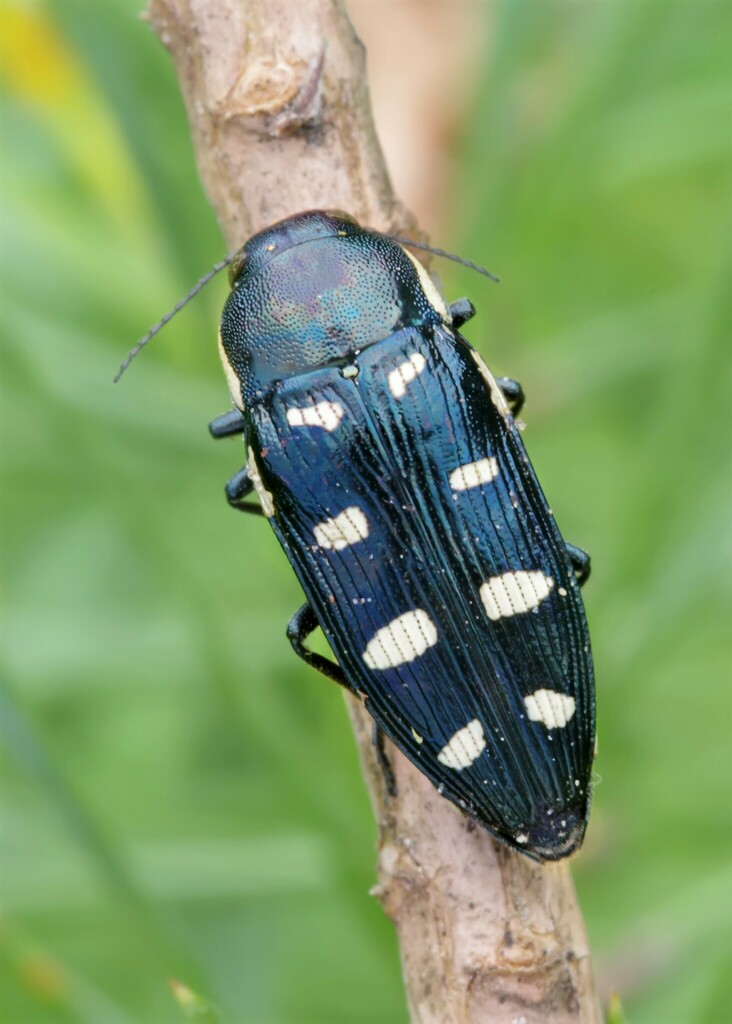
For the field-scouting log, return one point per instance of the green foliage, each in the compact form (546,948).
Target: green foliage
(196,1008)
(615,1013)
(180,797)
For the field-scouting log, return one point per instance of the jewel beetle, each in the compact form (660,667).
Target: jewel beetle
(388,461)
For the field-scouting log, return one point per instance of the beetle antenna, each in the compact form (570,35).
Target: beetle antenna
(440,252)
(217,267)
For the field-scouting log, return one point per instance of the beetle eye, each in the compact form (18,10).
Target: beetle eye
(236,266)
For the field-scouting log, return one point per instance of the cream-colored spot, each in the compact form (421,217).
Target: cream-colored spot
(473,474)
(514,593)
(430,289)
(325,414)
(521,837)
(404,639)
(405,374)
(465,746)
(418,738)
(348,527)
(552,708)
(497,396)
(562,592)
(265,498)
(231,378)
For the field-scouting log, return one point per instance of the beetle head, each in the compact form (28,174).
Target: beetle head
(313,290)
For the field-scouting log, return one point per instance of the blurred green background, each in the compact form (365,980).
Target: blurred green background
(179,797)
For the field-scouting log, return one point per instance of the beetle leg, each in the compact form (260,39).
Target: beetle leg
(513,393)
(580,562)
(237,489)
(461,311)
(227,423)
(377,738)
(299,628)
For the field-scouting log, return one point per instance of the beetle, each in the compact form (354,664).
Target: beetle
(388,461)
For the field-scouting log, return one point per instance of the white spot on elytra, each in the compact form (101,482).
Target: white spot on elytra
(465,746)
(514,593)
(562,592)
(552,708)
(265,498)
(403,639)
(497,396)
(521,837)
(405,374)
(325,414)
(418,738)
(348,527)
(473,474)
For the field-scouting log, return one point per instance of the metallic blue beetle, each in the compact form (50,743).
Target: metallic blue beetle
(387,459)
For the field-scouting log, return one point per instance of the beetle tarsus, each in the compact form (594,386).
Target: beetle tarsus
(299,628)
(227,424)
(239,488)
(461,311)
(580,563)
(513,393)
(378,737)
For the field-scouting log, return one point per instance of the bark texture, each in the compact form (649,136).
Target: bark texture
(277,99)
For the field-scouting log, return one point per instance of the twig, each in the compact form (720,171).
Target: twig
(278,104)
